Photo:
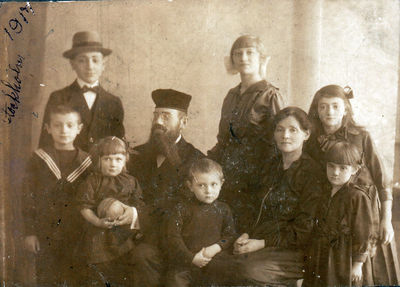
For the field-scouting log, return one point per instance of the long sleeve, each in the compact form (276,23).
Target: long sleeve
(262,113)
(86,193)
(222,136)
(363,231)
(136,200)
(179,252)
(228,232)
(118,119)
(29,199)
(376,168)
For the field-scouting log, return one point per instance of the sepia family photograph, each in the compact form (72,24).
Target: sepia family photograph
(200,143)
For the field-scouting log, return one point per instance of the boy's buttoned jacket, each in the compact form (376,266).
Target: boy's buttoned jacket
(105,118)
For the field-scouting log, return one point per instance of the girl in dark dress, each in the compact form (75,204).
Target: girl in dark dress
(114,248)
(271,253)
(332,116)
(245,129)
(345,232)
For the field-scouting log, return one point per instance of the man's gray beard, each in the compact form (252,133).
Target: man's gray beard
(165,145)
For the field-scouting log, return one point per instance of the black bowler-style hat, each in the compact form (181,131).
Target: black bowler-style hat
(168,98)
(86,41)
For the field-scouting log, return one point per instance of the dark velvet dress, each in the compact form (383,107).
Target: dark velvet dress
(102,245)
(386,270)
(244,141)
(345,233)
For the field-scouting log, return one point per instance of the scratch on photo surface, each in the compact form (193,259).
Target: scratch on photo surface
(107,284)
(50,32)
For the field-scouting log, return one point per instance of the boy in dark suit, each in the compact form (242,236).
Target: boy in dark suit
(101,112)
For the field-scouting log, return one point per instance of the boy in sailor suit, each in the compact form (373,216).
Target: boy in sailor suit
(102,113)
(52,222)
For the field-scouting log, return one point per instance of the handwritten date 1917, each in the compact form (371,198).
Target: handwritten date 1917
(11,91)
(15,24)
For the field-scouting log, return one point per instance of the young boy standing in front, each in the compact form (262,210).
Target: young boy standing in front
(52,223)
(199,229)
(102,113)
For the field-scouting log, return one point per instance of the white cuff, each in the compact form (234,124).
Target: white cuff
(135,219)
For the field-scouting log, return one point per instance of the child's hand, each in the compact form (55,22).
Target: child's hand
(211,250)
(105,223)
(356,271)
(199,260)
(32,244)
(125,218)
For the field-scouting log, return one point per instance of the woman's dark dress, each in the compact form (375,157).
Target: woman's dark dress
(287,200)
(244,142)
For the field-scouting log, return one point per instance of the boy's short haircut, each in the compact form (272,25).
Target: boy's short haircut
(205,165)
(344,153)
(63,110)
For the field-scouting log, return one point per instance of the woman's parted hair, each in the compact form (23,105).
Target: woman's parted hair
(247,41)
(298,114)
(332,91)
(344,152)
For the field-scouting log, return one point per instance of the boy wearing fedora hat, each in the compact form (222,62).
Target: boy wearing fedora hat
(101,112)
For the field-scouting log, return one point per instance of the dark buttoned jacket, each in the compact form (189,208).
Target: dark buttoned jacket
(105,118)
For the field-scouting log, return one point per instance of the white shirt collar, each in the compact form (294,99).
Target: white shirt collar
(82,83)
(178,139)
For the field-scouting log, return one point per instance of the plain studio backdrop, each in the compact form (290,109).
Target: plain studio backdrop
(181,45)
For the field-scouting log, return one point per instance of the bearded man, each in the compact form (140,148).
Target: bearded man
(162,163)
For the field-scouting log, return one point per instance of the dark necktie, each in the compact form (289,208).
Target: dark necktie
(94,89)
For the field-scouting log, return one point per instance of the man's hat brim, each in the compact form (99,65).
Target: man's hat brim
(71,53)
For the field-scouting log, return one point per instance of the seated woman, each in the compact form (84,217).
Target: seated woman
(272,252)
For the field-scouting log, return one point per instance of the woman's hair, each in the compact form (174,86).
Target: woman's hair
(247,41)
(332,91)
(344,153)
(205,165)
(106,146)
(298,114)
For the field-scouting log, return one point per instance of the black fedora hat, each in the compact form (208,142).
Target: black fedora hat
(86,41)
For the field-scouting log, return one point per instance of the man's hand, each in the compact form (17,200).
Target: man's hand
(200,260)
(32,244)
